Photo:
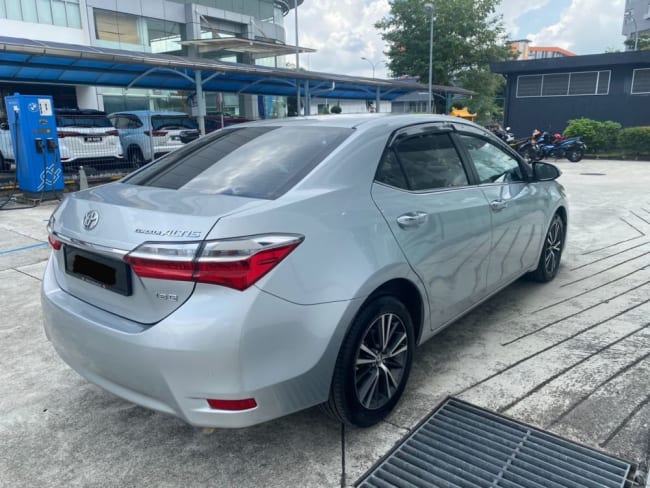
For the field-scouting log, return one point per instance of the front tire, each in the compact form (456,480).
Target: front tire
(549,260)
(373,364)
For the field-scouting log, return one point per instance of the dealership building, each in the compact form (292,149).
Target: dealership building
(241,31)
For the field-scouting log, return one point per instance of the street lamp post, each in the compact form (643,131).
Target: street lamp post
(629,17)
(372,64)
(430,9)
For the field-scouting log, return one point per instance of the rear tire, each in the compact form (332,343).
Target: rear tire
(373,364)
(549,260)
(575,155)
(135,157)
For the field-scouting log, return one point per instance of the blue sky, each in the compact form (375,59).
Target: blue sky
(342,31)
(547,15)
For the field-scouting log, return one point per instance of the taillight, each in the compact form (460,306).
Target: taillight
(54,242)
(111,133)
(65,133)
(235,263)
(156,133)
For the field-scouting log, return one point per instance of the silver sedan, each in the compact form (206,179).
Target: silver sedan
(274,266)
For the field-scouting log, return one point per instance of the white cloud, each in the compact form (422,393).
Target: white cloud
(342,31)
(512,10)
(585,27)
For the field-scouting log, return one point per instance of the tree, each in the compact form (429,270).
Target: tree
(467,36)
(644,42)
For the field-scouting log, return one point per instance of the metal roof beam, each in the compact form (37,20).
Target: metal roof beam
(153,70)
(263,80)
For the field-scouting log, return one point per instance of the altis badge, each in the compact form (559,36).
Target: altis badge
(169,233)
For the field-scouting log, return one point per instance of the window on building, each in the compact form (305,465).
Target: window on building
(164,36)
(116,27)
(529,86)
(65,13)
(641,81)
(44,11)
(603,82)
(563,84)
(555,85)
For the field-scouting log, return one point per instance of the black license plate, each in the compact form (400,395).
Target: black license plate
(107,273)
(93,139)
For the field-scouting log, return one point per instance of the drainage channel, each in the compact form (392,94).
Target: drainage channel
(461,445)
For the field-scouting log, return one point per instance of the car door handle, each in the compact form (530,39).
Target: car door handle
(412,219)
(498,205)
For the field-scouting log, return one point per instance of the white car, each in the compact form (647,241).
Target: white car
(146,135)
(87,138)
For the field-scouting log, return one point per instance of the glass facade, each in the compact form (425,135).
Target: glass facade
(64,13)
(115,29)
(126,31)
(264,10)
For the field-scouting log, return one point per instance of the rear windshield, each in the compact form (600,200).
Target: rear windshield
(82,121)
(172,122)
(256,162)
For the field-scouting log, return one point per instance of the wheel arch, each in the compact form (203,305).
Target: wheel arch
(409,294)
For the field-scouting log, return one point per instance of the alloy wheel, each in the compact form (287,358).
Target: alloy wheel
(381,361)
(553,246)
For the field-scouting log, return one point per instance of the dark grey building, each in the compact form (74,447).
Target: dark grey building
(546,93)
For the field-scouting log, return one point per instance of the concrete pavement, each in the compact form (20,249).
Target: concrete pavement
(571,356)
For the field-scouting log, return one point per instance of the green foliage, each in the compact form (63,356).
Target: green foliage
(467,36)
(336,109)
(635,141)
(598,136)
(325,110)
(644,42)
(487,85)
(458,104)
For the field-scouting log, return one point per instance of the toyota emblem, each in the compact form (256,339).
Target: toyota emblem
(90,219)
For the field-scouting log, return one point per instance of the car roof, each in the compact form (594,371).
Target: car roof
(147,112)
(78,111)
(365,121)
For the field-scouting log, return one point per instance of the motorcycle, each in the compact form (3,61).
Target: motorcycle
(504,134)
(556,147)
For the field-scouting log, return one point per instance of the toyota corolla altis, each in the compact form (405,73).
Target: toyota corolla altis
(273,266)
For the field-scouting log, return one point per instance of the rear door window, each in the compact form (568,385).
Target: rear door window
(256,162)
(423,162)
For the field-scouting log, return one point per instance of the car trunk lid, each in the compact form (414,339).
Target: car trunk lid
(99,227)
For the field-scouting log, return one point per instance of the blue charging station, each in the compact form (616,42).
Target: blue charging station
(36,145)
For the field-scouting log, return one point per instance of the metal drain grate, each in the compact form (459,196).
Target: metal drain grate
(461,445)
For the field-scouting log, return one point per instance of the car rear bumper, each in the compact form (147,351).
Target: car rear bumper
(254,345)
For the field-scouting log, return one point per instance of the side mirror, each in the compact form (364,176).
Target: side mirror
(545,171)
